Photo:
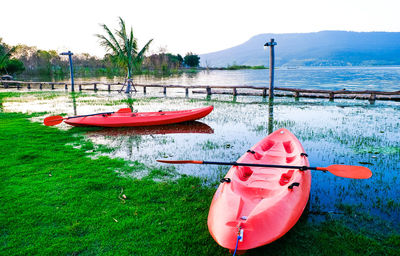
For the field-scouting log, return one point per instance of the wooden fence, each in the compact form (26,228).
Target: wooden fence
(212,89)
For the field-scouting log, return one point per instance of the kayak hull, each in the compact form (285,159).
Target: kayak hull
(140,119)
(261,204)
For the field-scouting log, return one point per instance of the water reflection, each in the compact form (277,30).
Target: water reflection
(73,96)
(270,115)
(186,127)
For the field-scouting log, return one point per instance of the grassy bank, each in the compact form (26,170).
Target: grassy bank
(57,200)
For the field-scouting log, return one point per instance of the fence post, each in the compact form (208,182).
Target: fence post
(208,90)
(331,96)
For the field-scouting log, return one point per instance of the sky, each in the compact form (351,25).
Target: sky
(182,26)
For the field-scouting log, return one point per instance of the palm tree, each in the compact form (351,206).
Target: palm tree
(124,49)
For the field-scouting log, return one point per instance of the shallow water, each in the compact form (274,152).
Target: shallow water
(350,132)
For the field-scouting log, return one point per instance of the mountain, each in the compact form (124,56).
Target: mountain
(325,48)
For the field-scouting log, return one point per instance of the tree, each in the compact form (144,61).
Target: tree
(192,60)
(8,64)
(124,49)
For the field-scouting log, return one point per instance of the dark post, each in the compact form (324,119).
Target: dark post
(208,89)
(71,70)
(271,44)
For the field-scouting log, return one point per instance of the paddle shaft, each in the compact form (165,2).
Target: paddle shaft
(345,171)
(105,113)
(303,168)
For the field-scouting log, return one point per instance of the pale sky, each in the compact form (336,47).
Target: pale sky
(181,26)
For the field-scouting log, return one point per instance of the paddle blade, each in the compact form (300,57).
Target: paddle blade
(124,110)
(180,161)
(52,120)
(349,171)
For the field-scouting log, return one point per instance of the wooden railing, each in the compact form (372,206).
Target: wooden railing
(212,89)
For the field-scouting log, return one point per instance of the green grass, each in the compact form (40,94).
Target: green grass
(56,200)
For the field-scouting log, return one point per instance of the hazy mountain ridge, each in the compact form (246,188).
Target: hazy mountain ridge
(325,48)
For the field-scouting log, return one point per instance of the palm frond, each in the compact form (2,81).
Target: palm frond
(144,49)
(112,39)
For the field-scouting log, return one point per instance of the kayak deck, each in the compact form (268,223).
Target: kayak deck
(259,202)
(141,119)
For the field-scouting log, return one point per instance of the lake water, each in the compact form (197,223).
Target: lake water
(352,132)
(329,78)
(357,78)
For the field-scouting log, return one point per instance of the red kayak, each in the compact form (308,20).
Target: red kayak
(258,203)
(122,119)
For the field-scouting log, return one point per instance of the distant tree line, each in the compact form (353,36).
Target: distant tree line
(29,60)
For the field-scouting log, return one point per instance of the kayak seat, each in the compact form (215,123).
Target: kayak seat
(288,145)
(285,177)
(244,172)
(267,145)
(256,189)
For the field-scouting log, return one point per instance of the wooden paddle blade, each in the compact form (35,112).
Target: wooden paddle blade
(180,161)
(124,110)
(349,171)
(53,120)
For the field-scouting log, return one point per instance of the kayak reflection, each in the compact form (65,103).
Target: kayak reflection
(185,127)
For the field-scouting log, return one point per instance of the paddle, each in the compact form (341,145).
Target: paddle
(54,120)
(346,171)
